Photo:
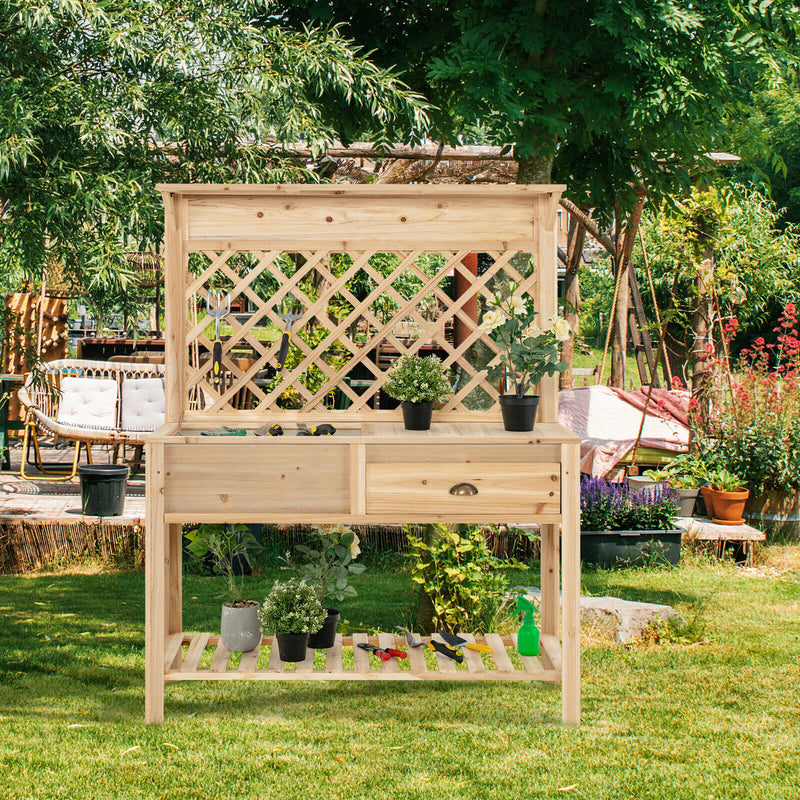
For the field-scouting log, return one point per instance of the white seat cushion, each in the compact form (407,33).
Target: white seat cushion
(88,402)
(142,404)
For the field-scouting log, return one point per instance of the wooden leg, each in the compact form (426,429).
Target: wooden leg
(174,579)
(550,607)
(571,565)
(156,567)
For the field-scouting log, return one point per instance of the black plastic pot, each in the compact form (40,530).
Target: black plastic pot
(519,413)
(292,646)
(102,489)
(326,635)
(417,416)
(630,548)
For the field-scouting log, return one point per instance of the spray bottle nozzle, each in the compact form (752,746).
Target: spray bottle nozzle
(524,605)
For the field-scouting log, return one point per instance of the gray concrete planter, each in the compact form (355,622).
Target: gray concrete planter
(240,629)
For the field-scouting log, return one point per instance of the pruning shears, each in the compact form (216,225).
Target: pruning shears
(289,316)
(383,654)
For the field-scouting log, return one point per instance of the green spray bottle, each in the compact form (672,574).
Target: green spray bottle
(528,636)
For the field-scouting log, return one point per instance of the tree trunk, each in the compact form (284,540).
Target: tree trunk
(572,295)
(701,321)
(619,344)
(535,169)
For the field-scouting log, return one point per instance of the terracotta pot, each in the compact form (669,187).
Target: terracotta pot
(728,506)
(708,499)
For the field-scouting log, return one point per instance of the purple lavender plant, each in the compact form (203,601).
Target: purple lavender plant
(607,506)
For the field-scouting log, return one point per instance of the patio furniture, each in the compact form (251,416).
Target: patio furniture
(90,403)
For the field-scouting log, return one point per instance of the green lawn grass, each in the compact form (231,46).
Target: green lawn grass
(718,718)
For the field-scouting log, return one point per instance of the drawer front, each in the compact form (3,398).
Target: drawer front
(503,489)
(275,480)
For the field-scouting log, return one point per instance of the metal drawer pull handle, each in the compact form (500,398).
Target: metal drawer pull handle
(464,489)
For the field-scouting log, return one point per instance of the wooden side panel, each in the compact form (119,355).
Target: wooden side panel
(281,479)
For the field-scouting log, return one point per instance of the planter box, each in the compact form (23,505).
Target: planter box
(630,548)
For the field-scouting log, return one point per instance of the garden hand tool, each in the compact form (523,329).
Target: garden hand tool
(454,640)
(218,314)
(269,430)
(317,430)
(294,313)
(376,651)
(411,640)
(446,650)
(224,431)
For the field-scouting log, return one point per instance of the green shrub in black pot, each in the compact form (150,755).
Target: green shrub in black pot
(292,611)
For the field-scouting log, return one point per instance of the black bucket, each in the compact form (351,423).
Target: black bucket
(102,489)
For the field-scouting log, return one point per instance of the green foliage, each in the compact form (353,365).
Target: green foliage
(725,481)
(464,582)
(230,546)
(100,101)
(292,607)
(527,352)
(328,561)
(414,379)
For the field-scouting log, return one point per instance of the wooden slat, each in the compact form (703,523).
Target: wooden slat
(221,657)
(247,664)
(360,657)
(531,663)
(333,656)
(275,664)
(499,654)
(416,658)
(472,658)
(194,652)
(172,651)
(307,664)
(552,647)
(385,641)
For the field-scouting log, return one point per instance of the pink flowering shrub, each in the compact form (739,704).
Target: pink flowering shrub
(752,424)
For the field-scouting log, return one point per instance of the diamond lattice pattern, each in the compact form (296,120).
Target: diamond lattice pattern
(359,311)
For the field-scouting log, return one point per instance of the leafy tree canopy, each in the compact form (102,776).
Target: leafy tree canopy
(599,94)
(100,100)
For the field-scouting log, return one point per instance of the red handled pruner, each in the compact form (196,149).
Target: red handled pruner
(383,655)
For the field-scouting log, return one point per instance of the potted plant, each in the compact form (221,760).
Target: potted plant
(292,611)
(684,474)
(527,353)
(728,497)
(327,562)
(417,383)
(231,546)
(621,526)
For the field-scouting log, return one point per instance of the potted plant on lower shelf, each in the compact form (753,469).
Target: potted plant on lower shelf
(622,526)
(417,383)
(327,562)
(231,546)
(292,611)
(528,352)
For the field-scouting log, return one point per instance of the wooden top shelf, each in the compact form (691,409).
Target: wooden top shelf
(426,190)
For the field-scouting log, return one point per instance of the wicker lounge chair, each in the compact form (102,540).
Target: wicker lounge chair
(88,403)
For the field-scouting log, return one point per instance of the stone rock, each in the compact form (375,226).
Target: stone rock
(620,620)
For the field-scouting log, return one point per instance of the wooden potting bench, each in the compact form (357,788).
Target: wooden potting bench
(408,249)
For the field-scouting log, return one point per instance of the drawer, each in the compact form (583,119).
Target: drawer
(275,480)
(502,489)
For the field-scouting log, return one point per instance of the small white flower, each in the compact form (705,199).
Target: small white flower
(517,307)
(492,320)
(561,329)
(533,330)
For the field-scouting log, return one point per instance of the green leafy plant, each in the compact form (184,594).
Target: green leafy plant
(328,561)
(292,607)
(724,481)
(414,379)
(464,582)
(230,546)
(527,351)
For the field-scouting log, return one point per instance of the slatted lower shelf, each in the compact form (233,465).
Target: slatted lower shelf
(206,658)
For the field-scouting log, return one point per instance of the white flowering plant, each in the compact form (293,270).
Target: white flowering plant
(327,561)
(528,352)
(414,379)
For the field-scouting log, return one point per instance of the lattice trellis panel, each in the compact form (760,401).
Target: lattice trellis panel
(359,310)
